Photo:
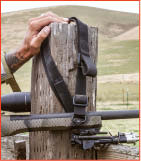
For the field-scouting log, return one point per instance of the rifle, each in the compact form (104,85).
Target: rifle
(99,142)
(85,134)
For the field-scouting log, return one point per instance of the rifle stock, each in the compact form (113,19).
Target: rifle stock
(11,126)
(14,124)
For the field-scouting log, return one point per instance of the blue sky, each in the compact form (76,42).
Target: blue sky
(125,6)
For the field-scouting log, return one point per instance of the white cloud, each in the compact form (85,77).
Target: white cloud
(125,6)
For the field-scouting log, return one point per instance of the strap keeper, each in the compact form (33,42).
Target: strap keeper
(80,100)
(88,68)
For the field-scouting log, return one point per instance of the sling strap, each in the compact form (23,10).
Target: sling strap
(55,79)
(86,67)
(13,84)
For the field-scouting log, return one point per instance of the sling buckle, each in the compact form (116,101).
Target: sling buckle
(80,100)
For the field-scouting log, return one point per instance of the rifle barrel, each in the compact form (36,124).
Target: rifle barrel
(16,102)
(118,114)
(105,115)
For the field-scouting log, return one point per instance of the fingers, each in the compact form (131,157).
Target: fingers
(36,41)
(51,14)
(45,19)
(38,30)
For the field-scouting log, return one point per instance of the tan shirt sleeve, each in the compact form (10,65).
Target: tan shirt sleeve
(5,72)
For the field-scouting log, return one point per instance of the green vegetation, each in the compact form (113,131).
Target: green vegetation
(110,23)
(114,57)
(114,92)
(115,126)
(118,57)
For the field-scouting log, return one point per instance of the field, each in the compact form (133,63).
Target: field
(118,56)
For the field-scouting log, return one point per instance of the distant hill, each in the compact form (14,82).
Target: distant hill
(114,57)
(110,23)
(132,34)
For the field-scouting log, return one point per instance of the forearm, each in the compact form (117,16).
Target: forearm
(38,30)
(16,59)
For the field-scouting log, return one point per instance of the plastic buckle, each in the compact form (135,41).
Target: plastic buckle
(78,98)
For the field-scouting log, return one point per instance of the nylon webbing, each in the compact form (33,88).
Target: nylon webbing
(86,67)
(13,84)
(55,79)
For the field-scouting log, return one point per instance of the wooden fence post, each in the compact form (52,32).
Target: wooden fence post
(63,44)
(20,150)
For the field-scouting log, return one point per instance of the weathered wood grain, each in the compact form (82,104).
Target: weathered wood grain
(63,44)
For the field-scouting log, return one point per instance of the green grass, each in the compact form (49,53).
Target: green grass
(113,57)
(114,92)
(110,23)
(118,57)
(133,106)
(127,125)
(124,125)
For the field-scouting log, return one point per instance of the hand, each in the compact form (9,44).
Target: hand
(38,30)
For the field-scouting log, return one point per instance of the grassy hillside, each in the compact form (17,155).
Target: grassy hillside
(110,23)
(114,57)
(118,57)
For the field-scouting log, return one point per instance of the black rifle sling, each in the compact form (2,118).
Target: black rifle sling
(55,79)
(86,67)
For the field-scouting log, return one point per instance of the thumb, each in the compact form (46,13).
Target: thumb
(37,41)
